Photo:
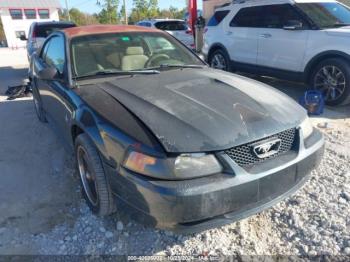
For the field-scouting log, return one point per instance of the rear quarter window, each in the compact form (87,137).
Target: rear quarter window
(45,30)
(217,18)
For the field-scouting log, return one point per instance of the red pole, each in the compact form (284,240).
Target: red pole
(192,9)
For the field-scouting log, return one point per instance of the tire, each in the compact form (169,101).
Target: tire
(100,199)
(220,59)
(38,106)
(332,77)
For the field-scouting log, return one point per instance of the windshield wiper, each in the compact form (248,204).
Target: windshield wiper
(176,66)
(181,66)
(341,24)
(119,73)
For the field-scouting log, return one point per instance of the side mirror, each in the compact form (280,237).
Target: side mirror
(23,38)
(48,73)
(293,25)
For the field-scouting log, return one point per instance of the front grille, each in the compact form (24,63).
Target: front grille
(244,156)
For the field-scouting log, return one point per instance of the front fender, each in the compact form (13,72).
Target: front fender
(85,122)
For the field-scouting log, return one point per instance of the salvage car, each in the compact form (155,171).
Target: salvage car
(184,146)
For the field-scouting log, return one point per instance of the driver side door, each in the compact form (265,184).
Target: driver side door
(54,92)
(277,47)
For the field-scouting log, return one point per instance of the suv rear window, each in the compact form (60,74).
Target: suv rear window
(218,17)
(171,25)
(45,30)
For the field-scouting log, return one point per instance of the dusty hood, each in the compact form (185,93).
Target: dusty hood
(196,110)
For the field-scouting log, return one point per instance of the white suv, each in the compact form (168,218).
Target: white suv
(304,40)
(176,27)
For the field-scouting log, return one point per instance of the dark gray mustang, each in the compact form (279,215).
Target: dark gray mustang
(184,146)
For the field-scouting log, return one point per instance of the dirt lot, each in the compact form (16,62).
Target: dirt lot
(41,211)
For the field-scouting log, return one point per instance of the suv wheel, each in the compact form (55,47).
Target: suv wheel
(220,60)
(95,187)
(332,78)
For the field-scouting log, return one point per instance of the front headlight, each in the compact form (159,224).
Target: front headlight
(185,166)
(196,165)
(306,127)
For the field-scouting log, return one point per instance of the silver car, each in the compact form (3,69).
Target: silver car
(176,27)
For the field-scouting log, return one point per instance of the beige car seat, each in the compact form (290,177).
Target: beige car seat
(114,59)
(134,59)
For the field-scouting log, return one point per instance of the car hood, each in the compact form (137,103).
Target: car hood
(201,110)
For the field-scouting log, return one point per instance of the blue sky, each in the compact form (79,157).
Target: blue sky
(90,6)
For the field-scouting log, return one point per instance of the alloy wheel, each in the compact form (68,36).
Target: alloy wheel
(218,62)
(87,176)
(331,81)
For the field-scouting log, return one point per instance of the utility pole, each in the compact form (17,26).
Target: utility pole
(67,8)
(125,12)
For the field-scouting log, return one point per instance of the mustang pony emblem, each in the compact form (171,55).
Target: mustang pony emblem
(267,149)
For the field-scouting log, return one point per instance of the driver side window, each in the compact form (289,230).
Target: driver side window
(54,54)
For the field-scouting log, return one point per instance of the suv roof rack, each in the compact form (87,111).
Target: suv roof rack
(232,2)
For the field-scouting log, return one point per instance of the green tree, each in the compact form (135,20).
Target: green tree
(109,13)
(78,17)
(173,13)
(144,9)
(121,15)
(153,10)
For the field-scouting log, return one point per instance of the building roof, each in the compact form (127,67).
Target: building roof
(29,3)
(105,29)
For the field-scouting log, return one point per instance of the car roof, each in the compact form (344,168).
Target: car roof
(104,29)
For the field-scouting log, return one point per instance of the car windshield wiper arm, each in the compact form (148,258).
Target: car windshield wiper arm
(176,66)
(115,72)
(341,24)
(179,65)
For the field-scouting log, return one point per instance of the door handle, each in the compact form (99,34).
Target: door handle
(228,33)
(266,35)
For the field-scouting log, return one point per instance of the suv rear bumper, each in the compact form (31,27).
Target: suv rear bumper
(198,204)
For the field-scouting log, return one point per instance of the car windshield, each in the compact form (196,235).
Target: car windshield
(327,14)
(127,52)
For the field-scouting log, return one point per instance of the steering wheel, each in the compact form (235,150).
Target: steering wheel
(155,57)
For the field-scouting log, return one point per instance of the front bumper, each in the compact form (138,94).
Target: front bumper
(201,203)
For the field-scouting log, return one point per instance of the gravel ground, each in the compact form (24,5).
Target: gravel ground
(314,221)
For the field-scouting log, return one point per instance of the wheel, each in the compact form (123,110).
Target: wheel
(332,78)
(95,186)
(38,103)
(220,60)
